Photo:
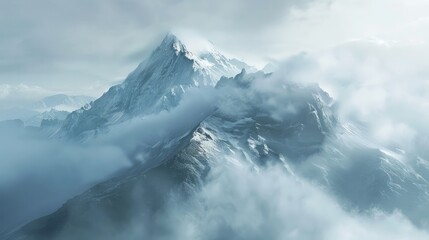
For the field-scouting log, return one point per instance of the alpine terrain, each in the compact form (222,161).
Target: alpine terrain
(186,119)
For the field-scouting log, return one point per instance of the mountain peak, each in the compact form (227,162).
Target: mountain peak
(170,36)
(188,43)
(177,64)
(201,52)
(169,40)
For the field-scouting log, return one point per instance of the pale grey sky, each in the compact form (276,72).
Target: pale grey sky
(84,46)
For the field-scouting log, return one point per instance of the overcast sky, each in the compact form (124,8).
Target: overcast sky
(85,46)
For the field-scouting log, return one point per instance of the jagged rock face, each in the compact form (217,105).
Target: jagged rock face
(157,84)
(295,134)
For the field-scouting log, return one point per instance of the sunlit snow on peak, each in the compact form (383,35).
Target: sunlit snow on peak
(194,42)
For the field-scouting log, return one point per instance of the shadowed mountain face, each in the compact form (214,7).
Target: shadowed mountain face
(137,196)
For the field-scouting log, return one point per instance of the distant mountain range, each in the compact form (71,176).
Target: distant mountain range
(61,102)
(51,107)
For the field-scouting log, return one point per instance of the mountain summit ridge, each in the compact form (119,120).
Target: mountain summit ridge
(156,84)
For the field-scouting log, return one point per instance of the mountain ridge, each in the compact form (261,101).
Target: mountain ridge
(156,84)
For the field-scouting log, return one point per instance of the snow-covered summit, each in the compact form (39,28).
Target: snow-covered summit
(156,84)
(193,42)
(202,53)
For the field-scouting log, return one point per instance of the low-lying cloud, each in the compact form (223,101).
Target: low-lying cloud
(37,176)
(239,203)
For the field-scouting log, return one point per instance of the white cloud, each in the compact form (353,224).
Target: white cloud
(37,175)
(238,203)
(385,87)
